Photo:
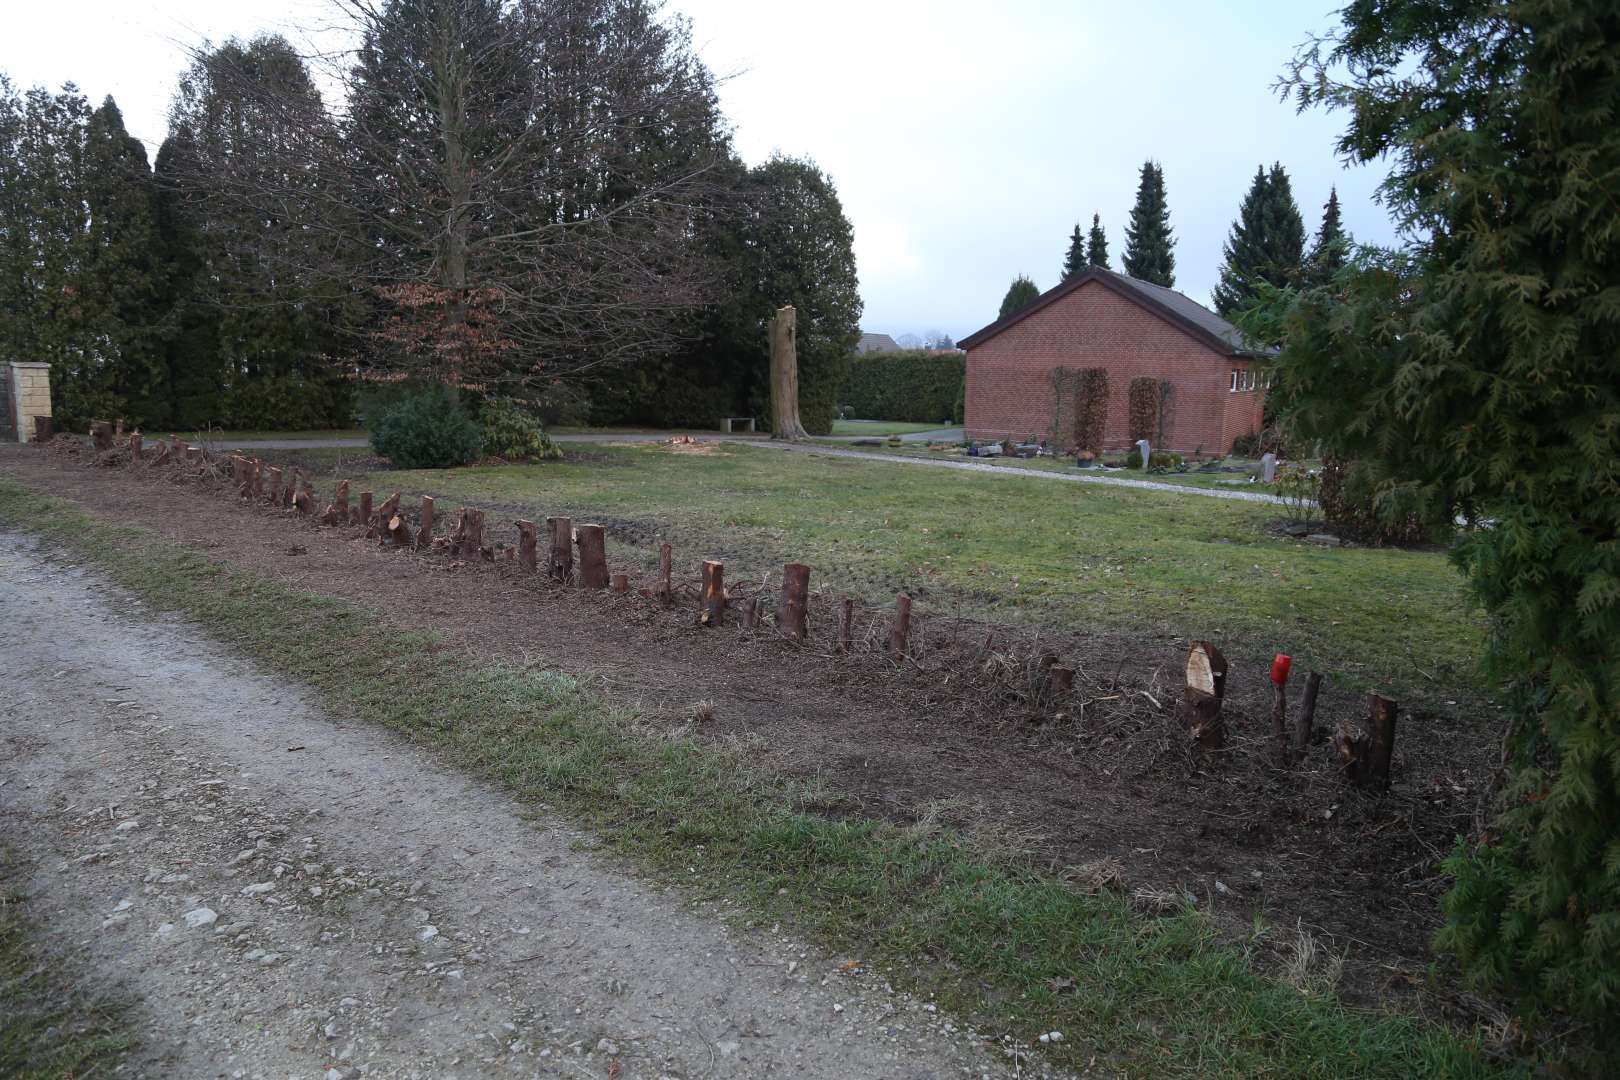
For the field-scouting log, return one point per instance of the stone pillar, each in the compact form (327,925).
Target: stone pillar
(30,397)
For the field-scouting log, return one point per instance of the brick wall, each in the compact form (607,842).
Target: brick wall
(1009,384)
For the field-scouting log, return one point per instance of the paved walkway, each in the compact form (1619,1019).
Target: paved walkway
(827,448)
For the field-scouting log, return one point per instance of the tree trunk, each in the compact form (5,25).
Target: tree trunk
(1279,722)
(275,486)
(134,446)
(846,625)
(784,336)
(338,512)
(791,614)
(561,562)
(528,544)
(900,630)
(362,513)
(593,571)
(424,534)
(1381,725)
(713,611)
(666,591)
(399,530)
(621,583)
(1307,715)
(257,487)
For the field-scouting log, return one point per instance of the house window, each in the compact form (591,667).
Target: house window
(1237,379)
(1248,379)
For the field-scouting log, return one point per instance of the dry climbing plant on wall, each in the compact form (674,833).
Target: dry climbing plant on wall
(1144,404)
(1079,408)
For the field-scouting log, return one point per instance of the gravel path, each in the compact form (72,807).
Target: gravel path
(286,894)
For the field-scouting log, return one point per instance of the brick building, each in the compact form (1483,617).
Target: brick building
(1131,328)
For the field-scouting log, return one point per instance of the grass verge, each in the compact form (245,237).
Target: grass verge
(1016,950)
(49,1027)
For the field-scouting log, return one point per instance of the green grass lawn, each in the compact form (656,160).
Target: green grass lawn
(1015,549)
(880,427)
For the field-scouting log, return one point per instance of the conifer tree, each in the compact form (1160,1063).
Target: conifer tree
(1328,253)
(1074,260)
(1266,243)
(1149,243)
(1472,375)
(1020,294)
(1097,244)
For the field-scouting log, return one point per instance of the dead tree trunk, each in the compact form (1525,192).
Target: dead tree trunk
(338,512)
(424,533)
(528,543)
(846,625)
(784,334)
(666,591)
(713,609)
(1307,715)
(792,613)
(1204,694)
(593,571)
(560,563)
(900,629)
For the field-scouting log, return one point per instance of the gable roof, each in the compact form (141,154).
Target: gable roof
(1186,314)
(877,343)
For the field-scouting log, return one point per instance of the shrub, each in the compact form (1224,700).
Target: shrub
(428,429)
(907,387)
(513,433)
(1349,504)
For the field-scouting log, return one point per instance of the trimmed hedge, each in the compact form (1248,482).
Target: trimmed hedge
(907,387)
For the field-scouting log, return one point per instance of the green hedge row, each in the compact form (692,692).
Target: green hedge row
(907,387)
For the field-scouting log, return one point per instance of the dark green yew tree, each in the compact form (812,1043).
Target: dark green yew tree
(1267,242)
(1020,294)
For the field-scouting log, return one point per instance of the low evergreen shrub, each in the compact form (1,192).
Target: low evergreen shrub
(428,429)
(907,387)
(513,433)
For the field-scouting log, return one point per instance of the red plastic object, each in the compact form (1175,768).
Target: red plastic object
(1279,669)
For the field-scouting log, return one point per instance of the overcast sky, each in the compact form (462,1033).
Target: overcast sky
(966,139)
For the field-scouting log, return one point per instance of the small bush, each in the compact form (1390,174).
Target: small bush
(1350,505)
(513,433)
(428,429)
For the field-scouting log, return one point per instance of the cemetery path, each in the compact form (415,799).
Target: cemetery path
(280,892)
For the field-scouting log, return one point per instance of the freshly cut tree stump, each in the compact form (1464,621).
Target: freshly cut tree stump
(256,484)
(194,453)
(1307,715)
(1355,750)
(275,486)
(750,613)
(337,513)
(846,624)
(135,445)
(101,434)
(399,531)
(467,541)
(713,600)
(621,583)
(362,513)
(666,591)
(162,456)
(304,498)
(593,571)
(900,629)
(793,612)
(560,563)
(377,524)
(528,542)
(175,450)
(424,533)
(290,490)
(1204,695)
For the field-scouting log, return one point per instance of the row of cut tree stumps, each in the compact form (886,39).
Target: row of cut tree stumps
(1364,756)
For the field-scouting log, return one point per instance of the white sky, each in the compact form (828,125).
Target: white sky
(966,138)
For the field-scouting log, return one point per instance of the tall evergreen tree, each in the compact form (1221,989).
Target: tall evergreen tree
(1097,244)
(1266,244)
(1149,242)
(1020,294)
(1074,260)
(121,283)
(1332,244)
(195,368)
